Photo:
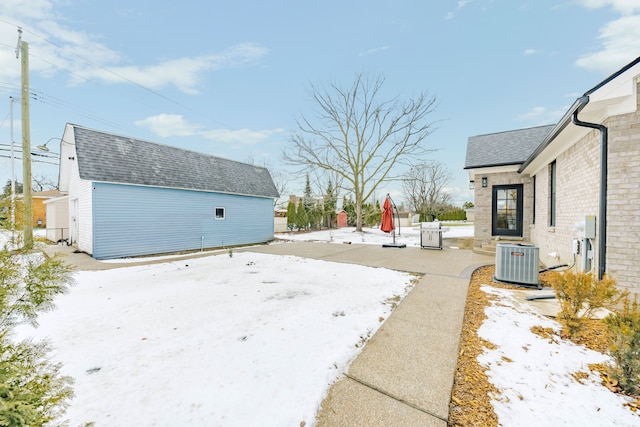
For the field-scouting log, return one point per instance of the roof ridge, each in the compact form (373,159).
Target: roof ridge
(162,145)
(106,157)
(513,130)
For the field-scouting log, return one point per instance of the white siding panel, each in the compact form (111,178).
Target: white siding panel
(80,190)
(134,220)
(58,219)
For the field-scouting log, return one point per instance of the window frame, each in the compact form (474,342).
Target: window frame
(215,213)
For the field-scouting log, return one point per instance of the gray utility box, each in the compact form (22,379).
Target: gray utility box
(431,235)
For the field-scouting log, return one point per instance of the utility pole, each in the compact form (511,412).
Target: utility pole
(13,172)
(23,49)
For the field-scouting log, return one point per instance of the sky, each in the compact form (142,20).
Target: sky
(253,339)
(231,78)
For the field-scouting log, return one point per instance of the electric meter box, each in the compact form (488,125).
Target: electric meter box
(586,227)
(590,227)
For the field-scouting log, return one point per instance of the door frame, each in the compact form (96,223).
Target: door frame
(495,229)
(74,226)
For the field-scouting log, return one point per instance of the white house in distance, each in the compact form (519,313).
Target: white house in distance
(128,197)
(571,188)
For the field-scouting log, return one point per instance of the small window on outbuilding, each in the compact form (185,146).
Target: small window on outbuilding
(220,213)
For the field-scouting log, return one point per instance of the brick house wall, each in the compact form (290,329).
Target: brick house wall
(483,200)
(578,190)
(39,212)
(577,194)
(623,201)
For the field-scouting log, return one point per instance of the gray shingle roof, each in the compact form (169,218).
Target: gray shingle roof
(106,157)
(504,148)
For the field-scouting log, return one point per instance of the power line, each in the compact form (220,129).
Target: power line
(44,98)
(53,101)
(80,110)
(33,160)
(18,149)
(120,76)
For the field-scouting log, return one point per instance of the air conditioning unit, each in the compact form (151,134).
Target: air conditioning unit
(517,264)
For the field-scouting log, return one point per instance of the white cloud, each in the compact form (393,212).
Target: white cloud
(26,9)
(539,116)
(374,50)
(620,40)
(625,7)
(460,5)
(183,73)
(168,125)
(240,136)
(528,52)
(58,49)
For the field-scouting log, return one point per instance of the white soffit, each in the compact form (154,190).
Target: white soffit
(492,170)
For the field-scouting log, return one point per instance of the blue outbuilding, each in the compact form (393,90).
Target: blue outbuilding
(129,197)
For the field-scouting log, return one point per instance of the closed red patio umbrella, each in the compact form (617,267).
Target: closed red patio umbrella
(387,223)
(387,216)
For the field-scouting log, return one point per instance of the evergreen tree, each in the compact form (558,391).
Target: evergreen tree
(376,217)
(308,196)
(371,214)
(6,191)
(315,217)
(32,391)
(302,220)
(329,206)
(291,215)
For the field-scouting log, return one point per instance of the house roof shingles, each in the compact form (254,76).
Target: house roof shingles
(504,148)
(106,157)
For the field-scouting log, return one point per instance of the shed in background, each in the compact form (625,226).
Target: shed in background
(342,219)
(129,197)
(57,210)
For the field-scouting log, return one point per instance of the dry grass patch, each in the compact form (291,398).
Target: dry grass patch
(470,401)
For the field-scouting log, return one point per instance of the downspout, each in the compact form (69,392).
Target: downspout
(602,224)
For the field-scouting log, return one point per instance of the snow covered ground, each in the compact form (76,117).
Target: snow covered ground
(254,339)
(407,235)
(535,376)
(251,339)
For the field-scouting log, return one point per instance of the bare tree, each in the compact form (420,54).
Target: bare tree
(281,181)
(280,178)
(321,178)
(43,183)
(359,136)
(424,187)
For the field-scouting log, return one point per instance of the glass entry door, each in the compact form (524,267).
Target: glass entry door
(507,210)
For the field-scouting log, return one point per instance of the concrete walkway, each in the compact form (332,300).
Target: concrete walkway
(404,374)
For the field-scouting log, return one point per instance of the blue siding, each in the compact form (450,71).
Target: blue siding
(132,220)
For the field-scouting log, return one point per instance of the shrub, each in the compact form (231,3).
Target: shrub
(456,214)
(580,295)
(32,391)
(624,333)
